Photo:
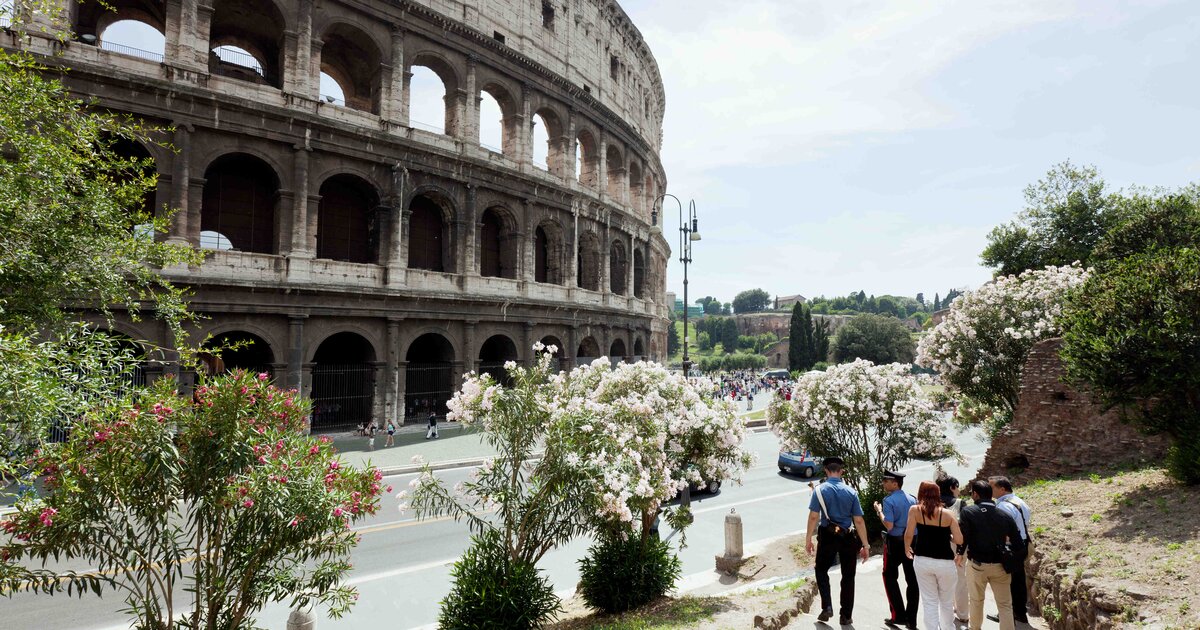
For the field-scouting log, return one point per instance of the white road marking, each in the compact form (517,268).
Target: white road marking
(416,568)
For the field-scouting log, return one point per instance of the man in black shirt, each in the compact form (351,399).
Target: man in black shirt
(986,530)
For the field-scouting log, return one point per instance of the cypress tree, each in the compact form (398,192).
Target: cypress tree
(800,339)
(821,341)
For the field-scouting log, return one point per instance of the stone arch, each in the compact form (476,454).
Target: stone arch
(256,27)
(269,337)
(618,267)
(429,232)
(429,374)
(615,164)
(509,134)
(617,350)
(587,159)
(494,353)
(636,188)
(551,122)
(241,197)
(498,243)
(445,72)
(343,382)
(639,274)
(130,149)
(94,19)
(587,351)
(549,247)
(588,267)
(639,348)
(345,220)
(252,352)
(353,59)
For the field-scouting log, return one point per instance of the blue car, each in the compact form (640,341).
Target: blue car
(800,463)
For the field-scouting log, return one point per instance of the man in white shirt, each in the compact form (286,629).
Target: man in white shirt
(1012,505)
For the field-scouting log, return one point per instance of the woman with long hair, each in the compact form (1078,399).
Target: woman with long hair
(935,530)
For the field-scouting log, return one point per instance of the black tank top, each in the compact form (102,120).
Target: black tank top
(933,541)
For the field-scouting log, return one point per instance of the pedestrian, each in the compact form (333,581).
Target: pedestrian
(432,432)
(987,535)
(894,514)
(391,430)
(1019,511)
(836,518)
(934,529)
(949,488)
(371,436)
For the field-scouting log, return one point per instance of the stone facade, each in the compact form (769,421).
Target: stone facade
(1058,430)
(780,323)
(368,260)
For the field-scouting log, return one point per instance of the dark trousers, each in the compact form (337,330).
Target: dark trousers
(893,559)
(832,548)
(1020,594)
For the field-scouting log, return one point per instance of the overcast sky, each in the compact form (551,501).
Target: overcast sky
(840,145)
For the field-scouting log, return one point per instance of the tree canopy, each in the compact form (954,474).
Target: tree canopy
(751,301)
(876,338)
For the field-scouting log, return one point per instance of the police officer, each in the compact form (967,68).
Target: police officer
(894,514)
(841,535)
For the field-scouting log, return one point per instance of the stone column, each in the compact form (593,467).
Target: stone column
(393,404)
(470,244)
(180,176)
(602,167)
(568,353)
(397,259)
(527,339)
(456,108)
(299,74)
(405,98)
(298,243)
(570,148)
(571,271)
(313,82)
(527,243)
(195,197)
(471,127)
(393,106)
(186,39)
(524,130)
(469,353)
(284,201)
(295,360)
(629,269)
(401,391)
(605,263)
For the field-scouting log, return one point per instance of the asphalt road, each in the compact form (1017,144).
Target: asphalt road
(402,565)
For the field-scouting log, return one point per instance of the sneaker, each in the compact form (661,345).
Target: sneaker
(825,614)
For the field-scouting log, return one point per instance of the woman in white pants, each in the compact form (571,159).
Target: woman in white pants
(934,528)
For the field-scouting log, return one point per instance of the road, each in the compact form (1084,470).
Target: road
(402,565)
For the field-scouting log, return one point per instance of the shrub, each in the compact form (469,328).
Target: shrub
(492,591)
(619,575)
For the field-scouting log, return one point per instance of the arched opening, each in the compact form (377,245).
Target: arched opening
(547,130)
(618,268)
(352,61)
(243,351)
(616,352)
(548,253)
(616,171)
(134,38)
(331,91)
(491,122)
(129,27)
(240,195)
(344,220)
(343,383)
(428,378)
(587,160)
(588,276)
(639,350)
(587,352)
(495,352)
(428,236)
(635,187)
(137,164)
(497,256)
(430,90)
(639,274)
(559,350)
(246,41)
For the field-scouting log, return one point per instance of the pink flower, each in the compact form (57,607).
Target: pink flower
(262,376)
(389,489)
(47,516)
(248,503)
(337,511)
(312,450)
(293,523)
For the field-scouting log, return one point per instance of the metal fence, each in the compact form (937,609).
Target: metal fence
(237,58)
(343,396)
(496,369)
(132,52)
(427,387)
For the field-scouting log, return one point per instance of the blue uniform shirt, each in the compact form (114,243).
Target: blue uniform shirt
(840,499)
(895,511)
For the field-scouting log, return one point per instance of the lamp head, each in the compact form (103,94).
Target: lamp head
(88,38)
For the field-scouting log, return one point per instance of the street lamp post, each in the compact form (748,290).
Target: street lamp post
(689,232)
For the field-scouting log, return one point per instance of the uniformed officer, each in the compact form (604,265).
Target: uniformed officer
(894,514)
(836,518)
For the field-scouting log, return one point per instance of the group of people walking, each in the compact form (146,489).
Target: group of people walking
(949,551)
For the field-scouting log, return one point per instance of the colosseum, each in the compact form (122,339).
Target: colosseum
(369,256)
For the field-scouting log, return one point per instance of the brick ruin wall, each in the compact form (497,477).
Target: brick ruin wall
(1058,430)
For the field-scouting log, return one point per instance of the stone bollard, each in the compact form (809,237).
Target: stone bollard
(732,559)
(302,619)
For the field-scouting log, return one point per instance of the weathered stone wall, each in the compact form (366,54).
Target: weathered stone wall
(780,323)
(1058,430)
(1079,601)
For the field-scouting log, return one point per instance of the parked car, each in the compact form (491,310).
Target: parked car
(800,463)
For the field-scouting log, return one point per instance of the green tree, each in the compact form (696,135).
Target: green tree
(937,303)
(200,511)
(887,306)
(821,341)
(876,338)
(921,299)
(751,301)
(1133,333)
(1066,213)
(712,308)
(801,353)
(729,334)
(673,342)
(727,309)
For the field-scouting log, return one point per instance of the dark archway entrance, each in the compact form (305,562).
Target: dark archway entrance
(617,351)
(244,351)
(497,350)
(588,351)
(429,380)
(344,220)
(639,350)
(343,383)
(559,350)
(427,236)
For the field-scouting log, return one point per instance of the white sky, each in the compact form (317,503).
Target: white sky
(839,145)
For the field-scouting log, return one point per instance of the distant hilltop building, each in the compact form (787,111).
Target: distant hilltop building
(788,301)
(780,323)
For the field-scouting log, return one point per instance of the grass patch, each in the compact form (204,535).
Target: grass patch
(760,414)
(664,614)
